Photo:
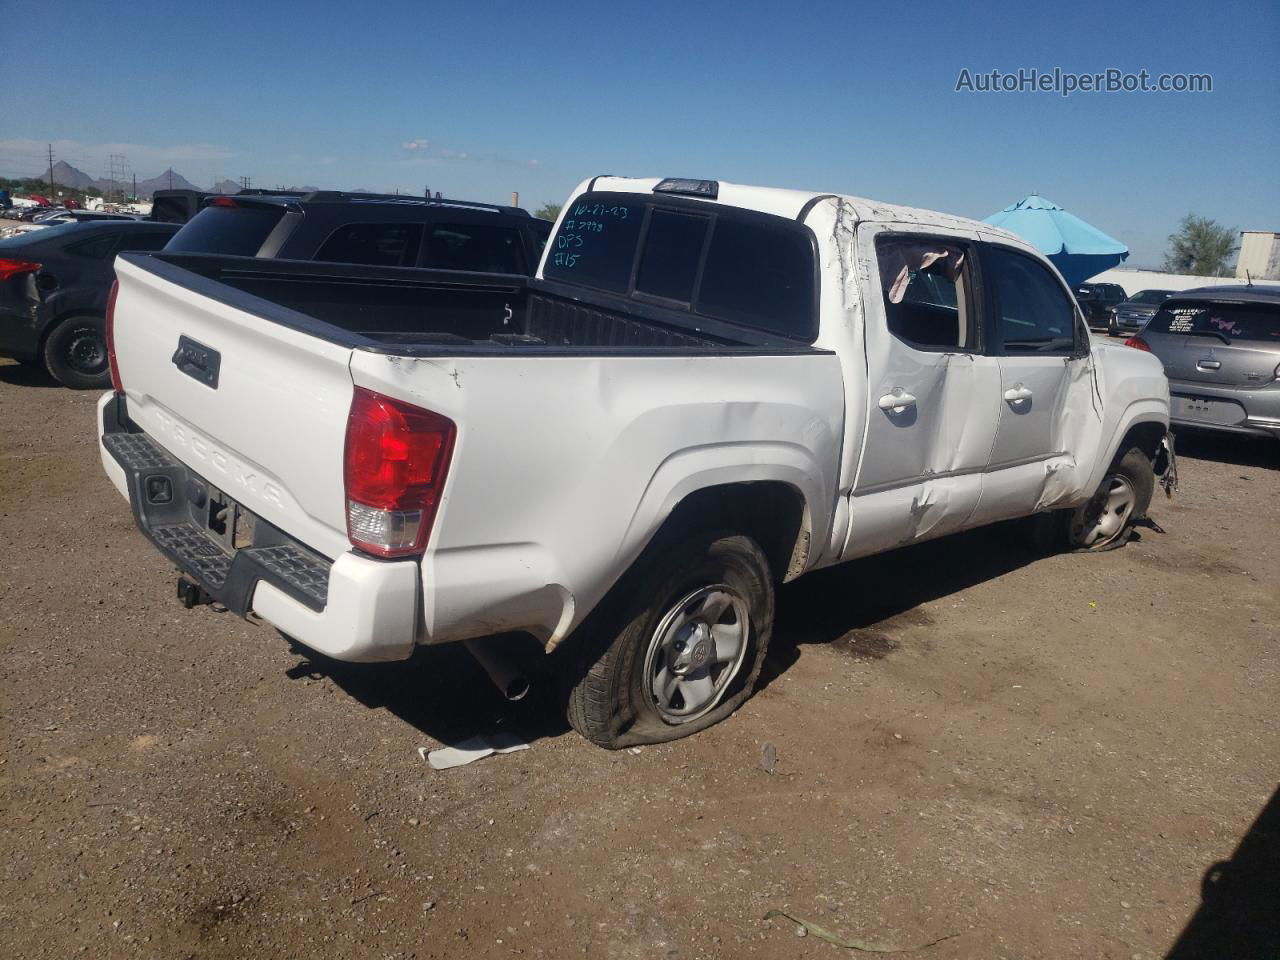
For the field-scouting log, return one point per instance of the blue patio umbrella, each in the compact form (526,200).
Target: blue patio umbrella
(1078,249)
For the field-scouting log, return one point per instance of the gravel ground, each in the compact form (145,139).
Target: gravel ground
(1036,757)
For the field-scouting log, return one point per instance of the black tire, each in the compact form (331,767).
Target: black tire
(602,667)
(75,353)
(1133,467)
(1112,329)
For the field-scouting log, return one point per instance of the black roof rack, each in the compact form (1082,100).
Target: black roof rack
(340,196)
(263,192)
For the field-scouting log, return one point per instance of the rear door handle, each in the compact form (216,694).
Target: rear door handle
(897,401)
(1017,393)
(1209,364)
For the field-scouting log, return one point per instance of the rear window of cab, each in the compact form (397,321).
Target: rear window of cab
(747,268)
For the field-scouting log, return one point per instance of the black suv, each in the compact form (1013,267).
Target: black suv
(1097,299)
(377,229)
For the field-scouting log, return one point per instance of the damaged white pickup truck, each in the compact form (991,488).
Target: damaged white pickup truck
(707,389)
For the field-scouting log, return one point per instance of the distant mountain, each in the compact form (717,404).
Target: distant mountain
(67,175)
(166,181)
(64,174)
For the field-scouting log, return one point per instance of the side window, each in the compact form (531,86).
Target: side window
(376,244)
(481,247)
(1033,314)
(923,283)
(99,248)
(145,241)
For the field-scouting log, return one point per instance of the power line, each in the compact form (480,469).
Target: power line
(117,176)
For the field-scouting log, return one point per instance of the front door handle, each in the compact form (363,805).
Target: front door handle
(1209,364)
(897,401)
(1017,393)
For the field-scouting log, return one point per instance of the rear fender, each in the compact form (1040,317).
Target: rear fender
(688,471)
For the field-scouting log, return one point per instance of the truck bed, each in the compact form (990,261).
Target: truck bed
(417,312)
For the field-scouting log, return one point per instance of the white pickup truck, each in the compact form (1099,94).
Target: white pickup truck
(707,389)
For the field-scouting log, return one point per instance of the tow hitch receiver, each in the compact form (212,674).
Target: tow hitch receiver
(190,594)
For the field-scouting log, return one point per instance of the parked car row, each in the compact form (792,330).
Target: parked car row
(40,218)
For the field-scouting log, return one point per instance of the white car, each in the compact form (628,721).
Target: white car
(706,390)
(57,217)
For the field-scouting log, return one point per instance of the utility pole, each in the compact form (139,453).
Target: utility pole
(244,183)
(52,190)
(134,197)
(171,178)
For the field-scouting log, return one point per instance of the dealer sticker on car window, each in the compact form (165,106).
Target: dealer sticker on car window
(1183,319)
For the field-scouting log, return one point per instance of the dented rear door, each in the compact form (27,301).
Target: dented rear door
(931,403)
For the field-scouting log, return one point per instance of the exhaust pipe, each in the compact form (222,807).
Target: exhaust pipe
(493,654)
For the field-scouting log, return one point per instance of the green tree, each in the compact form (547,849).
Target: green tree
(1201,247)
(548,211)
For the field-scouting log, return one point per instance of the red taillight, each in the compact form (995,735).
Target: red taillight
(222,202)
(11,268)
(394,467)
(1138,343)
(116,383)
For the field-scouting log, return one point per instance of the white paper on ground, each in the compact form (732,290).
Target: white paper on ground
(472,749)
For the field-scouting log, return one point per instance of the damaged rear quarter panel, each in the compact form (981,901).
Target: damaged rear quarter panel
(565,466)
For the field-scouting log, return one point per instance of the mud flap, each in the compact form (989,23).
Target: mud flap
(1166,466)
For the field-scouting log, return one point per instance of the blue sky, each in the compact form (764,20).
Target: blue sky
(483,99)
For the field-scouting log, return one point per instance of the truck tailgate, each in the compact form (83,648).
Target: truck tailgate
(268,429)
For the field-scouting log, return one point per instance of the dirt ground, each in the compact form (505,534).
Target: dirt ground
(1036,757)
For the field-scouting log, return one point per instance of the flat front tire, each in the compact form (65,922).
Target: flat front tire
(1121,499)
(676,648)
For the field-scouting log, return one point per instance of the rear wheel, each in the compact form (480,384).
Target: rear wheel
(75,353)
(1121,499)
(678,649)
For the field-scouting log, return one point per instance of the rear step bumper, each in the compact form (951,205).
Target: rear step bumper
(354,608)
